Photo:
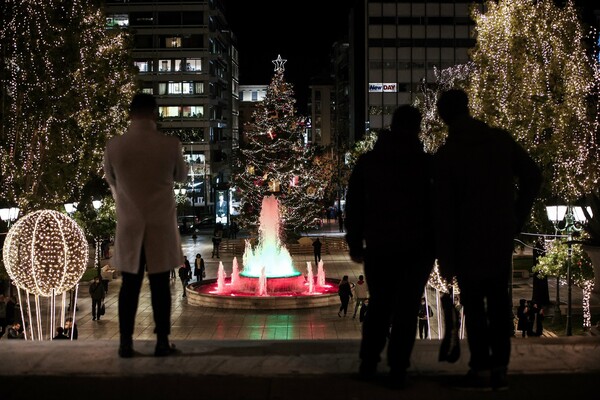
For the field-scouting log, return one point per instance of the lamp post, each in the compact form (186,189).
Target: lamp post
(573,218)
(9,214)
(97,204)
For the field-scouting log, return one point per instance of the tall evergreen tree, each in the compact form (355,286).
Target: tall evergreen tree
(275,159)
(536,77)
(66,81)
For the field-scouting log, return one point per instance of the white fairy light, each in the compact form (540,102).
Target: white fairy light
(45,253)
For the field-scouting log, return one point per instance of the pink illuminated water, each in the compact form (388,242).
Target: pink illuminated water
(268,267)
(309,278)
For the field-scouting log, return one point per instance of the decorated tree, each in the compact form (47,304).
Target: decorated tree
(535,77)
(66,81)
(275,159)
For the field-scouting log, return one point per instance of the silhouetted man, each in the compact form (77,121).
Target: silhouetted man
(397,261)
(485,185)
(141,167)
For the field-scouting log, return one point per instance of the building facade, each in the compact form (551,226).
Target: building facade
(186,58)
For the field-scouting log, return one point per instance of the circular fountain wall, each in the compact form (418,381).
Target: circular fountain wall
(268,279)
(205,294)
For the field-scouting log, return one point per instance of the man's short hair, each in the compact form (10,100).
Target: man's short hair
(142,104)
(453,103)
(406,118)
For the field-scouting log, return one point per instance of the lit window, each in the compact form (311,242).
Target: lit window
(164,65)
(194,64)
(173,41)
(169,111)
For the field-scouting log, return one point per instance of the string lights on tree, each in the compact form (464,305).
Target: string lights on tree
(535,77)
(66,84)
(275,158)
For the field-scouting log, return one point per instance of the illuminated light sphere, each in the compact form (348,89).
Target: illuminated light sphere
(45,251)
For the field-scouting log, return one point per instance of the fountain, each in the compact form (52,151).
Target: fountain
(268,279)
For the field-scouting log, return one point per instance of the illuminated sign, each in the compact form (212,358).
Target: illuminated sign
(383,87)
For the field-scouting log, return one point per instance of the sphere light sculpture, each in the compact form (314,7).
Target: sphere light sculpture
(45,253)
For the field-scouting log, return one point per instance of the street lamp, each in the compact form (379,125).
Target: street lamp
(97,204)
(573,218)
(9,214)
(70,208)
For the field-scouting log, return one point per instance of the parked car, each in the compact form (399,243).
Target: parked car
(186,223)
(205,222)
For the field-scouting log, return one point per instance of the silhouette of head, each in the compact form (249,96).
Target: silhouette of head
(406,118)
(143,105)
(452,104)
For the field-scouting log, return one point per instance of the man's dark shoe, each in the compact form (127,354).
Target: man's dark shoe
(125,351)
(475,381)
(164,350)
(397,378)
(499,379)
(367,370)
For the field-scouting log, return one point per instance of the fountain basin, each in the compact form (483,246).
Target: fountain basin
(205,294)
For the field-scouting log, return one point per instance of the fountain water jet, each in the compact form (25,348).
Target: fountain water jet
(268,273)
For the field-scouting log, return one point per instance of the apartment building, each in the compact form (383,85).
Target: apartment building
(395,45)
(186,58)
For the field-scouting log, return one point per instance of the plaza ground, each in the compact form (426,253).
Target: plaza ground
(280,354)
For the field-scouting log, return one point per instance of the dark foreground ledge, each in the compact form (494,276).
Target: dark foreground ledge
(541,368)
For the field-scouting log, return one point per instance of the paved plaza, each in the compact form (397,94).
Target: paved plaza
(271,354)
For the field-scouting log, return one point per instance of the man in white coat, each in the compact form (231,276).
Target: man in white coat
(141,167)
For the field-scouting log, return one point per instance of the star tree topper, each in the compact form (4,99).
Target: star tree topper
(279,63)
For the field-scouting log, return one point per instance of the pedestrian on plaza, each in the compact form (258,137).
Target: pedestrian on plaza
(15,331)
(364,309)
(317,250)
(216,240)
(395,287)
(345,293)
(185,274)
(97,293)
(341,220)
(523,317)
(234,229)
(485,182)
(536,319)
(71,329)
(141,167)
(107,276)
(173,275)
(361,293)
(199,268)
(60,333)
(425,313)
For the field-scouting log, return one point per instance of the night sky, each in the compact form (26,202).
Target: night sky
(263,32)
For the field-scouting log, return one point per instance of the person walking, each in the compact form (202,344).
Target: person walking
(341,220)
(345,293)
(395,288)
(141,167)
(199,269)
(536,319)
(523,317)
(361,294)
(425,313)
(485,186)
(216,241)
(97,293)
(317,250)
(185,275)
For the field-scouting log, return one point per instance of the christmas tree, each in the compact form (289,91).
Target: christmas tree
(535,77)
(66,81)
(275,159)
